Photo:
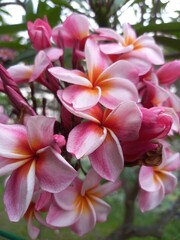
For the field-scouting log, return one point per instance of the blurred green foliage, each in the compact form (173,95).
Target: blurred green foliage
(149,17)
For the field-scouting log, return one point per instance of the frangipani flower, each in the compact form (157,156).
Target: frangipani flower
(74,29)
(157,182)
(80,205)
(99,138)
(108,85)
(27,153)
(141,51)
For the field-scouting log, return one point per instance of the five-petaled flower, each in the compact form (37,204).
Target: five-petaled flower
(102,83)
(27,152)
(80,205)
(157,182)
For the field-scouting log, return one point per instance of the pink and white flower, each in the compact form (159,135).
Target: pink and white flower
(157,182)
(27,153)
(108,85)
(99,138)
(142,51)
(80,205)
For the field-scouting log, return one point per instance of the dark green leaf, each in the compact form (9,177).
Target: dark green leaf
(13,45)
(25,56)
(8,29)
(169,42)
(63,3)
(164,28)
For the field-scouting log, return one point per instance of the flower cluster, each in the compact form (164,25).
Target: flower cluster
(116,107)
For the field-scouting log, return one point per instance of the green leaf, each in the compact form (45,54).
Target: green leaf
(53,15)
(13,45)
(26,56)
(170,28)
(9,29)
(29,7)
(169,42)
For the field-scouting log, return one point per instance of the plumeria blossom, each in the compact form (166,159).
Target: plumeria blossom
(80,205)
(99,138)
(27,153)
(157,182)
(101,84)
(142,50)
(74,29)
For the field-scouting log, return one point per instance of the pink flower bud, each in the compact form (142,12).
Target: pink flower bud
(40,34)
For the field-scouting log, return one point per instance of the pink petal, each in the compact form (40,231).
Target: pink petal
(149,179)
(101,208)
(107,160)
(70,76)
(155,123)
(85,138)
(21,73)
(155,94)
(125,121)
(81,97)
(77,25)
(43,200)
(8,165)
(128,33)
(33,231)
(53,171)
(87,219)
(109,33)
(94,114)
(138,59)
(169,181)
(169,72)
(40,131)
(95,59)
(19,191)
(120,69)
(53,53)
(116,91)
(107,188)
(61,218)
(150,49)
(115,48)
(40,65)
(67,199)
(13,142)
(173,101)
(150,200)
(91,181)
(172,163)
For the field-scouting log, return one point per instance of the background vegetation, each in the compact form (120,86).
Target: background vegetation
(145,16)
